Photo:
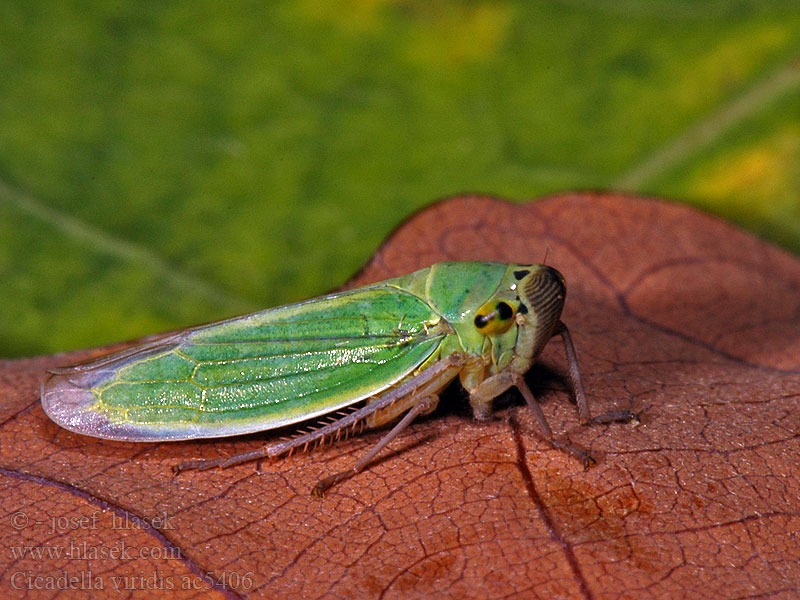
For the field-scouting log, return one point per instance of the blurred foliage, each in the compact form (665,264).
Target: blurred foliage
(164,164)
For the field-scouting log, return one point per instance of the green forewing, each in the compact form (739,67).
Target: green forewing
(264,370)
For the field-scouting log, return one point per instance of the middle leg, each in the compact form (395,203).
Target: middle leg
(484,393)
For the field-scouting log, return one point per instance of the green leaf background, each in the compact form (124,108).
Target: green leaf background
(164,164)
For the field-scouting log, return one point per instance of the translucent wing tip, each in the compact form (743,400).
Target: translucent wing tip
(67,399)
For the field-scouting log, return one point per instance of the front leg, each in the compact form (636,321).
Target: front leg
(576,384)
(483,394)
(483,390)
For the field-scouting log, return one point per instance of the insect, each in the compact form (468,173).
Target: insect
(395,345)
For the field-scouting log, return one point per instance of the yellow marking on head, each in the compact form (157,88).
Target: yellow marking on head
(495,317)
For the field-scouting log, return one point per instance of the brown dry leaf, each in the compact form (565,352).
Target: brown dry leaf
(674,314)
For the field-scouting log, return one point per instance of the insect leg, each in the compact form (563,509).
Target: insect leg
(584,414)
(393,411)
(427,398)
(495,385)
(578,452)
(422,405)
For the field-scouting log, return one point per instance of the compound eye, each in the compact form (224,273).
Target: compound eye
(496,316)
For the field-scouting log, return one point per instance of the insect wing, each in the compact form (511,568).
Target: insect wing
(251,373)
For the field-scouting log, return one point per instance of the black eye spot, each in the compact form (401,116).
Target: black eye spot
(520,274)
(481,321)
(504,311)
(523,310)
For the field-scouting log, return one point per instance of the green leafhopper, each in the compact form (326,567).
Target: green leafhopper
(393,345)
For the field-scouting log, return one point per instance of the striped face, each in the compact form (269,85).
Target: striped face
(542,292)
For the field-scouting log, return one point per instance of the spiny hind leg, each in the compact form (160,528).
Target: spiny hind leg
(393,411)
(422,406)
(422,400)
